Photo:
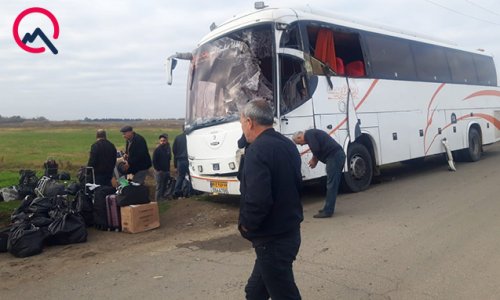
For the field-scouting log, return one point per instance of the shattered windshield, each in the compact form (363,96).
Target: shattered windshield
(227,73)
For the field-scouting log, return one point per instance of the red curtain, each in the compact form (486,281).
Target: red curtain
(325,48)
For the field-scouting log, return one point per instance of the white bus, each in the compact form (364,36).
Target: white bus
(386,96)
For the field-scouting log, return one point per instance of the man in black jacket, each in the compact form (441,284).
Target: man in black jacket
(102,158)
(161,164)
(325,149)
(136,155)
(181,162)
(270,209)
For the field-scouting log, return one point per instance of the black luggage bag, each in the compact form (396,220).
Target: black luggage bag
(133,194)
(100,207)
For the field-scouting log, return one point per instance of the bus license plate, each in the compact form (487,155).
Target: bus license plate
(218,187)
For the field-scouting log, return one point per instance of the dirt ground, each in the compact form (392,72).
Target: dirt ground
(181,224)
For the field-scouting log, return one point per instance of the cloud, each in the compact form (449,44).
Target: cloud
(112,53)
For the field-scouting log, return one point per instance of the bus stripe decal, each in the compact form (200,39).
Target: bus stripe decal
(483,93)
(488,118)
(367,93)
(345,119)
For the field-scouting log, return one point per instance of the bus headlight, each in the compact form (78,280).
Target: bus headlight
(232,166)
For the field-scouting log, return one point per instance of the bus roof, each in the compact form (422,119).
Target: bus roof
(307,13)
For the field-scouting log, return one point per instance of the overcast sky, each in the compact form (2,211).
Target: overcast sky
(112,53)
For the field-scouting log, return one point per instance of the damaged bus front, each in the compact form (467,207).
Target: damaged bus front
(225,73)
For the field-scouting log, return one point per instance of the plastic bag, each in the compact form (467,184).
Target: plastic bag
(26,240)
(68,229)
(9,194)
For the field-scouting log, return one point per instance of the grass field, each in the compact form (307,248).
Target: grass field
(27,147)
(69,144)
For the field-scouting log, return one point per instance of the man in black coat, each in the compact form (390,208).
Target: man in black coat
(102,158)
(325,149)
(161,164)
(181,163)
(136,154)
(270,209)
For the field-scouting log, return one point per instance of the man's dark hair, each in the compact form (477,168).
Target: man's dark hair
(100,134)
(259,111)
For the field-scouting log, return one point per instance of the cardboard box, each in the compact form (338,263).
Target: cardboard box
(139,218)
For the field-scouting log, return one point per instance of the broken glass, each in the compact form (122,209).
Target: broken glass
(228,72)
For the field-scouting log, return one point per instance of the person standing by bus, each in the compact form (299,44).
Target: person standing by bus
(136,154)
(161,164)
(270,209)
(181,163)
(325,149)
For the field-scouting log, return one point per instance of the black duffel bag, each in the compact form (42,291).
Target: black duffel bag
(133,194)
(69,228)
(26,240)
(84,206)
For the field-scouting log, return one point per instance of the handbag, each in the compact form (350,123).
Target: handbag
(133,194)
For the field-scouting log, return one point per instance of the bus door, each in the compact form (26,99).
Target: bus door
(296,89)
(295,95)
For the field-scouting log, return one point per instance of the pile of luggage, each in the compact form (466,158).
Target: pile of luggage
(54,213)
(43,221)
(46,216)
(28,182)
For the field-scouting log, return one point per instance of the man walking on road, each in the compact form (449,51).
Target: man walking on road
(325,149)
(270,209)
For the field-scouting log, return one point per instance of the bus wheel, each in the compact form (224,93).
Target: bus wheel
(359,169)
(473,152)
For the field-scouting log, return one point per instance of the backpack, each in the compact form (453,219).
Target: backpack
(51,168)
(27,183)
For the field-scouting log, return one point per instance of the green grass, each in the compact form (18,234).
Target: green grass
(28,148)
(6,209)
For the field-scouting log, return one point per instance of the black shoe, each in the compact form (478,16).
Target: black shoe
(321,211)
(322,215)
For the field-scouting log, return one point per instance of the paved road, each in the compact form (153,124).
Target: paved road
(420,233)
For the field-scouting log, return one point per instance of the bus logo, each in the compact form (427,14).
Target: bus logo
(37,33)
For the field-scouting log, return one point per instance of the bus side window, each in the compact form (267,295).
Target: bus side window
(339,50)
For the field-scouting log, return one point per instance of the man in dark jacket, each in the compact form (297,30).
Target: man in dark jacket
(270,209)
(102,158)
(136,154)
(325,149)
(161,164)
(181,162)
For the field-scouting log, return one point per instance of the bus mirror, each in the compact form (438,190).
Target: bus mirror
(170,66)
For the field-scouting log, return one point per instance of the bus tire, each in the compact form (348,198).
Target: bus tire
(359,169)
(473,152)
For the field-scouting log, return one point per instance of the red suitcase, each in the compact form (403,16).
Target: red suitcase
(113,212)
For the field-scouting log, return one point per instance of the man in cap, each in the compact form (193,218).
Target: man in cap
(102,158)
(136,154)
(161,164)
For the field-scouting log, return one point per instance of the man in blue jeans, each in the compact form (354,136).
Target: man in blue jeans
(325,149)
(270,207)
